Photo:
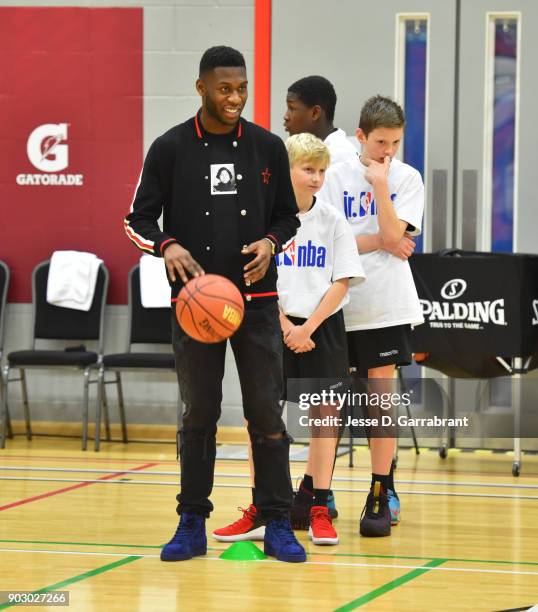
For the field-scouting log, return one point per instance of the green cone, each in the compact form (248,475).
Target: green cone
(243,551)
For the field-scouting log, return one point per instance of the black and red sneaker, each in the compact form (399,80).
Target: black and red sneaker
(249,527)
(303,500)
(375,517)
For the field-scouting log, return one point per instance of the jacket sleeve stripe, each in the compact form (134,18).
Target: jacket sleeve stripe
(141,243)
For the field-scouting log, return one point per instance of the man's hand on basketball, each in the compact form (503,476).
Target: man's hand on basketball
(180,262)
(297,338)
(255,270)
(376,172)
(404,249)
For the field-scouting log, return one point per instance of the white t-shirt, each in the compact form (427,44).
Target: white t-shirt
(340,148)
(388,296)
(322,251)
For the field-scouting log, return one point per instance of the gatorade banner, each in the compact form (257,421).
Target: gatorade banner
(476,306)
(71,130)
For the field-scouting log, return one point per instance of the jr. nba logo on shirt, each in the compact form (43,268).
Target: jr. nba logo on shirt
(303,256)
(365,206)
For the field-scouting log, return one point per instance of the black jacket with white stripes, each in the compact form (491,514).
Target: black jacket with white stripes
(174,182)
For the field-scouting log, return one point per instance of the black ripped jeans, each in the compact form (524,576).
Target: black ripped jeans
(257,347)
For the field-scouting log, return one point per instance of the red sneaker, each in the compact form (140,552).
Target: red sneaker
(321,527)
(248,527)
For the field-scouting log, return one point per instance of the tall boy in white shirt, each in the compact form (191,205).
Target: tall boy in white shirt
(383,202)
(310,107)
(314,271)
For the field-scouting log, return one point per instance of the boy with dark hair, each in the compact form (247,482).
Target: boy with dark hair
(383,202)
(236,234)
(311,103)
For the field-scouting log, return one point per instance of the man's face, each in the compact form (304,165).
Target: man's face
(298,117)
(224,93)
(307,177)
(380,142)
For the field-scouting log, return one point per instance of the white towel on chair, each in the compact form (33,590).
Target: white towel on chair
(154,287)
(72,279)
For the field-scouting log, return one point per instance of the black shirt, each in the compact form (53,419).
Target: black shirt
(223,186)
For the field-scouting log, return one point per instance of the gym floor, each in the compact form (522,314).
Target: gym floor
(93,524)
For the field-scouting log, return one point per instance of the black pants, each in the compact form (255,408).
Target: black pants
(257,348)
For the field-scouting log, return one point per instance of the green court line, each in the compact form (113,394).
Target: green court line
(389,586)
(447,559)
(323,554)
(60,585)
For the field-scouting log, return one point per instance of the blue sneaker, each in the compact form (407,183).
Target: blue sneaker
(394,507)
(280,542)
(331,504)
(189,540)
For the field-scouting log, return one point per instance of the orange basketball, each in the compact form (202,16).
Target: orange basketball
(210,308)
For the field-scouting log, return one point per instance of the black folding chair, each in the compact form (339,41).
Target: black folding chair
(57,323)
(146,326)
(4,286)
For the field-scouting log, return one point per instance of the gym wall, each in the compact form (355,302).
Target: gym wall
(138,65)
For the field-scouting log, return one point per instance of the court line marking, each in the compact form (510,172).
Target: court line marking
(328,563)
(247,475)
(442,468)
(323,554)
(81,484)
(94,572)
(106,480)
(389,586)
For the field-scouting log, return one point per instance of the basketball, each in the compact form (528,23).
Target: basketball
(209,308)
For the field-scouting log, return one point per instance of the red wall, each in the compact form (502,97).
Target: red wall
(81,67)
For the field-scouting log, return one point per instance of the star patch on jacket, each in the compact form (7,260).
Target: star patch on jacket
(265,176)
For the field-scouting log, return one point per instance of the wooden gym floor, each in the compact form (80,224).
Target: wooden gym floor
(93,524)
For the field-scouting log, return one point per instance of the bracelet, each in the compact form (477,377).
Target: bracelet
(273,245)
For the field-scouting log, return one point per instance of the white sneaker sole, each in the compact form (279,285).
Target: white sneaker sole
(255,535)
(322,541)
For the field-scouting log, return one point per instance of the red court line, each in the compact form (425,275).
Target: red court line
(84,459)
(71,488)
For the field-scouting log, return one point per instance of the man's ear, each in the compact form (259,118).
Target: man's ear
(315,112)
(200,87)
(361,136)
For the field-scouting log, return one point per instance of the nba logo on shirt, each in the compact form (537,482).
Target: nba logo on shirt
(287,257)
(308,255)
(366,204)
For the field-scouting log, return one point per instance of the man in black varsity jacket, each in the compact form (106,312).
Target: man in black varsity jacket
(234,232)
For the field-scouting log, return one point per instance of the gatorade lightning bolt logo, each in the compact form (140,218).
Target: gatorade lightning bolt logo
(48,152)
(44,148)
(49,144)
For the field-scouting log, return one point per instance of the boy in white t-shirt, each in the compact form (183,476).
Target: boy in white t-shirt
(383,202)
(314,271)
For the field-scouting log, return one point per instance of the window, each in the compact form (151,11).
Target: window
(411,90)
(501,130)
